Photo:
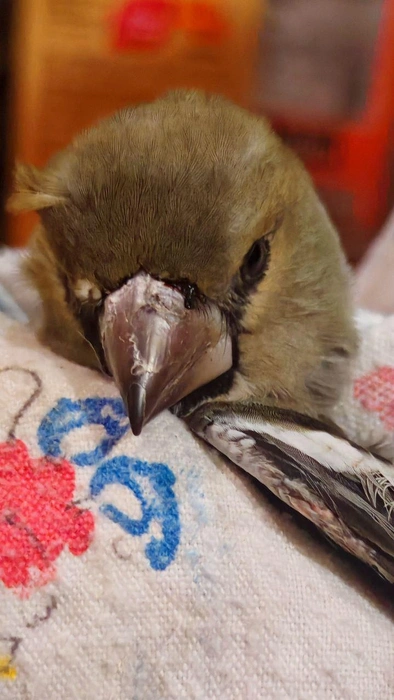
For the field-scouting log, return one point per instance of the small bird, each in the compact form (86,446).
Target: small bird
(183,250)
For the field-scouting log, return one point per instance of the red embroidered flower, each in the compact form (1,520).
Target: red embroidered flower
(375,391)
(37,516)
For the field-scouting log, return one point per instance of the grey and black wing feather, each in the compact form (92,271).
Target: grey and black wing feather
(346,491)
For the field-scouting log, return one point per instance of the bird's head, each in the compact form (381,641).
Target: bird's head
(183,249)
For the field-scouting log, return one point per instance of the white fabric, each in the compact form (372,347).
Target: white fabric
(374,278)
(249,606)
(372,386)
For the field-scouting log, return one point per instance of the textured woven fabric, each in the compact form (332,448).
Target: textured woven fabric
(374,279)
(147,568)
(367,410)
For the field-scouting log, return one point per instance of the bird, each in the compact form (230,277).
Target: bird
(183,250)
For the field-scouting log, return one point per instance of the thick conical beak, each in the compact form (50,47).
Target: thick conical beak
(157,350)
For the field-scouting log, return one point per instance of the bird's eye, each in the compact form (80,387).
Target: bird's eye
(256,260)
(85,291)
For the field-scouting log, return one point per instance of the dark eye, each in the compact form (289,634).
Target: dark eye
(256,261)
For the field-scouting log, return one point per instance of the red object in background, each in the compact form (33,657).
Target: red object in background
(347,147)
(150,24)
(145,24)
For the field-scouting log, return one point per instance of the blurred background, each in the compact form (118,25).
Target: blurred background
(322,70)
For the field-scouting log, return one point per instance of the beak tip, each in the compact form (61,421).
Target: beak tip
(136,405)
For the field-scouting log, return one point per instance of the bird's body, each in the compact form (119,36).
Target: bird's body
(182,249)
(183,188)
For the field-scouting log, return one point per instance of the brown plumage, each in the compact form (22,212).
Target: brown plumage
(183,188)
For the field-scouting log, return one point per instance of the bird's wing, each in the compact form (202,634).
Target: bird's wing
(346,491)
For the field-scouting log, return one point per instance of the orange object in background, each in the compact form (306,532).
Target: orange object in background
(76,61)
(327,82)
(323,71)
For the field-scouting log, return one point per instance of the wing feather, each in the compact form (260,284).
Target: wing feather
(346,491)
